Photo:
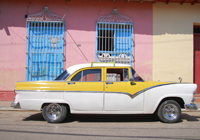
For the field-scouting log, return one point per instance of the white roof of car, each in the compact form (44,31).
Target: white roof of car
(74,68)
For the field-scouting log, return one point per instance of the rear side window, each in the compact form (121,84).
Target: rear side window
(88,75)
(117,75)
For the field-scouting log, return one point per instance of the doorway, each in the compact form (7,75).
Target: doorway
(196,75)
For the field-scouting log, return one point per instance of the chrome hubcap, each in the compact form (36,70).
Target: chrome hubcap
(53,111)
(170,111)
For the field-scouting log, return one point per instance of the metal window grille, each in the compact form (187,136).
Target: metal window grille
(45,46)
(114,39)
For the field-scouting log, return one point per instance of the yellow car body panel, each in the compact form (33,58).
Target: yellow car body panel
(41,85)
(84,86)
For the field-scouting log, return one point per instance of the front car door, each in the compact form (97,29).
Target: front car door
(84,90)
(120,94)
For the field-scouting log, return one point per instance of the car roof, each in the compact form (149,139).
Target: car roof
(74,68)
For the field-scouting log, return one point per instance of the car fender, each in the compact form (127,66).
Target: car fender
(155,95)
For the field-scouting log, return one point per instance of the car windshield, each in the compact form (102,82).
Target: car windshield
(63,75)
(135,76)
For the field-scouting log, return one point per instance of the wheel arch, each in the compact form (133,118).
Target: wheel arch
(179,100)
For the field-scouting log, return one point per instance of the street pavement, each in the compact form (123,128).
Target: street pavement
(20,125)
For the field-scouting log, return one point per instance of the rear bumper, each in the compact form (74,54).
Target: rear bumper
(191,107)
(15,105)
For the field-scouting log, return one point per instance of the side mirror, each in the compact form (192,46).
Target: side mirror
(132,82)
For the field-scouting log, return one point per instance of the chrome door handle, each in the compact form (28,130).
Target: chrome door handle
(109,83)
(71,83)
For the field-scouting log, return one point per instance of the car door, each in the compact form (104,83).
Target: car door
(120,92)
(84,90)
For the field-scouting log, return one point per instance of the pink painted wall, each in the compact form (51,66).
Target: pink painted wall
(80,19)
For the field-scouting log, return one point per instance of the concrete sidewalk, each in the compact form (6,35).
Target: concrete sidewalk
(5,105)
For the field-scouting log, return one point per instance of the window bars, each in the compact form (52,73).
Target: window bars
(45,46)
(114,39)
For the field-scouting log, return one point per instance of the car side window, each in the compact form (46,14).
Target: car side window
(135,76)
(117,75)
(88,75)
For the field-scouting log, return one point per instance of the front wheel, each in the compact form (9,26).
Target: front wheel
(54,113)
(169,111)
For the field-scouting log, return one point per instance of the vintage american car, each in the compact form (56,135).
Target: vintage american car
(104,88)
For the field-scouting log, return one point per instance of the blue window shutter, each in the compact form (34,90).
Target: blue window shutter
(45,49)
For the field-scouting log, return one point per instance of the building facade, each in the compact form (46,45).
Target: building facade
(41,38)
(174,42)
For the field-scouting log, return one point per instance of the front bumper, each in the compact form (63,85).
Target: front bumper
(15,105)
(191,107)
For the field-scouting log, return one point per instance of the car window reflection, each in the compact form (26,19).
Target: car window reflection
(88,75)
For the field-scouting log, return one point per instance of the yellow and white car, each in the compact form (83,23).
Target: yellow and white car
(104,88)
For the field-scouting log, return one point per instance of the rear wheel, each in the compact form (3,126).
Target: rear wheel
(169,111)
(54,113)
